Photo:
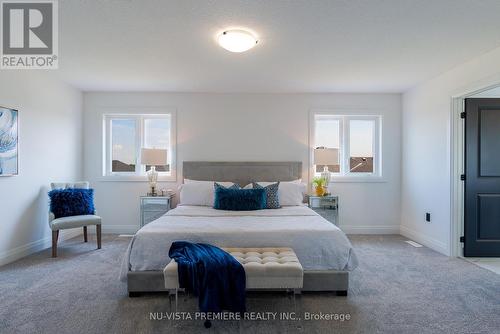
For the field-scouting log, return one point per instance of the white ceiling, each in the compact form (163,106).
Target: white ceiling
(305,46)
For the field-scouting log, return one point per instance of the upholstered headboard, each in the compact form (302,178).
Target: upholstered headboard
(242,173)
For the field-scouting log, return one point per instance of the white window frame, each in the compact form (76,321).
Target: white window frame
(139,115)
(344,117)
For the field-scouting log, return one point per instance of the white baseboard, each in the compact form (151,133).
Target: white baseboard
(36,246)
(425,240)
(380,229)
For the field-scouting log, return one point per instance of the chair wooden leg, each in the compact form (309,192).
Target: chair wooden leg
(85,234)
(55,236)
(98,233)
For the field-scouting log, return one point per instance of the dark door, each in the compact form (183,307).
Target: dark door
(482,177)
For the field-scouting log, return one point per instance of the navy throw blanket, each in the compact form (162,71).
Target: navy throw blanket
(211,274)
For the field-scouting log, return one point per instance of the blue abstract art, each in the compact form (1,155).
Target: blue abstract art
(8,142)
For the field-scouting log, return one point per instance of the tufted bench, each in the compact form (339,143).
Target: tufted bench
(270,268)
(265,269)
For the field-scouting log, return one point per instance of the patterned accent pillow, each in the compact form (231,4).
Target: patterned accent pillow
(218,186)
(272,197)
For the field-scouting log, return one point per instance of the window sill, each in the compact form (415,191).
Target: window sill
(135,178)
(360,179)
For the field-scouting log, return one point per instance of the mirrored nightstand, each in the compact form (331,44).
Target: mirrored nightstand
(153,208)
(326,206)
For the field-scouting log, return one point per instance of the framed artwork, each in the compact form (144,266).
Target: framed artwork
(9,147)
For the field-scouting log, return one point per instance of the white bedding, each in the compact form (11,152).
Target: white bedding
(319,244)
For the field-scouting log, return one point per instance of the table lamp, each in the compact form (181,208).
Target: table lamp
(326,156)
(153,157)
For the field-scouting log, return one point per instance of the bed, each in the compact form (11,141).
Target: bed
(323,249)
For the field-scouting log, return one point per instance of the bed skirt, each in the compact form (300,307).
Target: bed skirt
(314,280)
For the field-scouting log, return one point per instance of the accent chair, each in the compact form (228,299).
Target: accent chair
(57,224)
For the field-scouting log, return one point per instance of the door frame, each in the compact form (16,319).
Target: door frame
(457,133)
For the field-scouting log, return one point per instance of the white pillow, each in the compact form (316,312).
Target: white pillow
(290,193)
(266,183)
(199,192)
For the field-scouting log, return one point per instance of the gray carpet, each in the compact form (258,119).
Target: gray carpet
(396,289)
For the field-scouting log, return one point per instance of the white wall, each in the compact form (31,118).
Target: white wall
(50,149)
(239,127)
(426,148)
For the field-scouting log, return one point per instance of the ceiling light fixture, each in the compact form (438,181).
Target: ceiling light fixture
(237,40)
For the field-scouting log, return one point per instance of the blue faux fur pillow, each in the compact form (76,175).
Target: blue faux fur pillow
(239,199)
(71,202)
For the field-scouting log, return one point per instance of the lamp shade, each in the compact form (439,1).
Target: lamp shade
(153,156)
(326,156)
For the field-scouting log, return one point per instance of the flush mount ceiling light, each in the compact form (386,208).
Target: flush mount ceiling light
(237,40)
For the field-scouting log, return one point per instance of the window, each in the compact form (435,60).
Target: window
(361,141)
(157,135)
(126,134)
(327,134)
(123,151)
(357,139)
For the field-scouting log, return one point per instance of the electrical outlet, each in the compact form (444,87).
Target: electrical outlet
(427,217)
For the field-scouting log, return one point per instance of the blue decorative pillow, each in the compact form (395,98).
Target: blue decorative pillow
(234,186)
(239,199)
(71,202)
(272,197)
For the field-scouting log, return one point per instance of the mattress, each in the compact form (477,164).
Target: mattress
(319,244)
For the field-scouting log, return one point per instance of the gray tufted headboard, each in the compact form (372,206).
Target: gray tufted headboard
(242,172)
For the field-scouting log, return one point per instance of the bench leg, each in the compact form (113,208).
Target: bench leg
(297,309)
(172,294)
(176,298)
(85,239)
(294,293)
(175,294)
